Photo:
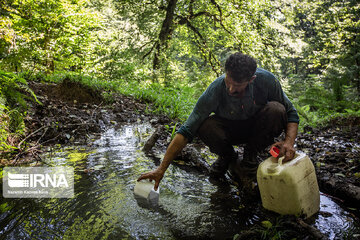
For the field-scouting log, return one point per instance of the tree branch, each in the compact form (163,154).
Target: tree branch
(218,7)
(192,16)
(151,49)
(206,51)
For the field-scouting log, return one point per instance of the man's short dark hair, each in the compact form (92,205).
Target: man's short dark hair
(240,67)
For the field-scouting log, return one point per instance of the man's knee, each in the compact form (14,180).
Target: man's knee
(269,123)
(274,113)
(275,108)
(208,127)
(213,133)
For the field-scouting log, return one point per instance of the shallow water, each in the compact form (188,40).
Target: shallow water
(104,206)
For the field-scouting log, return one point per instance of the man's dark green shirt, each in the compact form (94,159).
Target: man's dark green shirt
(215,99)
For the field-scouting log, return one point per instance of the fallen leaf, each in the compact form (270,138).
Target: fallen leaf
(266,224)
(340,175)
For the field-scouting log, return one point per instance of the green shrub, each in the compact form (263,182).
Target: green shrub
(14,91)
(174,101)
(317,106)
(4,125)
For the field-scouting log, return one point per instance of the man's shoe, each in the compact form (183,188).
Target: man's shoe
(245,175)
(218,168)
(221,165)
(250,158)
(239,169)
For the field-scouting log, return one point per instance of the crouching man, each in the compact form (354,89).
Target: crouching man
(247,106)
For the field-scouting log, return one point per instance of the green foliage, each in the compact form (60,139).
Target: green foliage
(331,30)
(173,130)
(273,231)
(202,34)
(4,129)
(14,91)
(324,102)
(307,118)
(16,124)
(45,35)
(316,104)
(100,87)
(112,45)
(175,102)
(33,76)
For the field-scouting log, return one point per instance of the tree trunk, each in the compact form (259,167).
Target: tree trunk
(357,77)
(165,33)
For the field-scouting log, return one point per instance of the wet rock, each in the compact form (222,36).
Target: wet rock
(193,157)
(149,144)
(154,121)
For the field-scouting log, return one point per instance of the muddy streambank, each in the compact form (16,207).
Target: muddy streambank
(335,152)
(73,114)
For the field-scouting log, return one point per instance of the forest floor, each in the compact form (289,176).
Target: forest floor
(72,114)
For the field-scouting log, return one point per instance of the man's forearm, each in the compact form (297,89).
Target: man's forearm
(291,132)
(175,147)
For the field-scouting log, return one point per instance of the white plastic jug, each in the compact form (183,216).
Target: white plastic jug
(289,188)
(145,189)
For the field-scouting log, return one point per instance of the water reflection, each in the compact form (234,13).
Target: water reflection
(104,206)
(334,221)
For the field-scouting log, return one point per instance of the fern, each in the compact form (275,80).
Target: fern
(14,89)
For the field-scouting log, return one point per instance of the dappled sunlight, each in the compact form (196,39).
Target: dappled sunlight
(104,205)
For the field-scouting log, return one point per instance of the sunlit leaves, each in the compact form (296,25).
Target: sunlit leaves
(47,34)
(330,29)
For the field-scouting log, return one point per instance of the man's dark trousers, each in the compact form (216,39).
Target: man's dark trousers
(257,133)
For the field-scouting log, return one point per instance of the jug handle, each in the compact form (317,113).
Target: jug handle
(280,161)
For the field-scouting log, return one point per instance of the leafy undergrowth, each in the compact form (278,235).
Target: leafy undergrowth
(175,101)
(14,94)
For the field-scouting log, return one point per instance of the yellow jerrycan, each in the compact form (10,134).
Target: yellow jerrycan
(289,188)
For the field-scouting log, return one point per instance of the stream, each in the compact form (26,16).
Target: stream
(105,207)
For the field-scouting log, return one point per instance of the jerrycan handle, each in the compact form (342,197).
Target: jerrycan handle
(280,161)
(274,151)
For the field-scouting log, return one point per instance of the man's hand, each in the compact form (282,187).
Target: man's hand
(287,146)
(286,149)
(175,147)
(156,175)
